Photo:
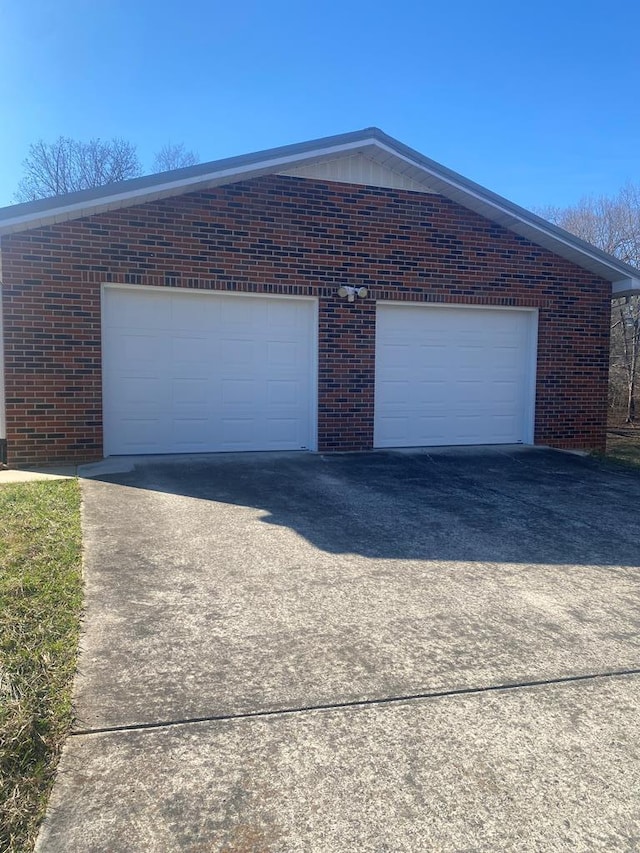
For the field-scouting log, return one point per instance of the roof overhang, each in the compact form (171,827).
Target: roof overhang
(372,143)
(625,287)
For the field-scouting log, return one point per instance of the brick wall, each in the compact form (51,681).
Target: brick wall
(292,236)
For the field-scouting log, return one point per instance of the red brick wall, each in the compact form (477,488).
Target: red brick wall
(288,235)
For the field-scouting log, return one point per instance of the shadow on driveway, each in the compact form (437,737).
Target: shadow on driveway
(524,506)
(241,584)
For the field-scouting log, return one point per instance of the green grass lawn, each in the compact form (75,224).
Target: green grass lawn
(623,445)
(40,605)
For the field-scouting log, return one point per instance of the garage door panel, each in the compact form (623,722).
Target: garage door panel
(427,356)
(503,425)
(237,431)
(140,312)
(472,391)
(143,391)
(215,372)
(394,392)
(282,353)
(191,350)
(436,373)
(191,392)
(138,349)
(430,424)
(463,376)
(282,430)
(397,356)
(190,433)
(284,392)
(282,317)
(505,392)
(429,394)
(139,434)
(394,430)
(239,392)
(185,319)
(503,358)
(467,355)
(233,313)
(237,353)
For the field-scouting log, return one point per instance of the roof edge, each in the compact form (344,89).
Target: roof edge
(625,287)
(182,177)
(500,202)
(22,217)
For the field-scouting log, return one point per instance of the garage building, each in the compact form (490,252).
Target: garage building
(342,294)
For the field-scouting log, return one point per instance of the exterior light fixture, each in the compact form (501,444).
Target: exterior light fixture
(352,292)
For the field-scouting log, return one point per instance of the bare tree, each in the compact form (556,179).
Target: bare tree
(67,165)
(613,224)
(174,156)
(625,348)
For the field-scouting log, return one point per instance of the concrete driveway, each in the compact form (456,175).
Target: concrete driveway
(372,652)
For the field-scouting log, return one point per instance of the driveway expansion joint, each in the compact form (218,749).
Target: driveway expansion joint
(356,703)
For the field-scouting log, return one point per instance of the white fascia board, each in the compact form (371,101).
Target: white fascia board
(625,287)
(138,196)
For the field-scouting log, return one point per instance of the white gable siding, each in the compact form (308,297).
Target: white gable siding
(357,169)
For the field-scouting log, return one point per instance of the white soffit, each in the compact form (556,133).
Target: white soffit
(357,169)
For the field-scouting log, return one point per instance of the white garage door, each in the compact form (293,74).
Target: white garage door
(187,372)
(449,375)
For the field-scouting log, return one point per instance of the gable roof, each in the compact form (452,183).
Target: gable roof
(313,158)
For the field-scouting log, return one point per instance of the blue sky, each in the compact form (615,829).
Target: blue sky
(537,101)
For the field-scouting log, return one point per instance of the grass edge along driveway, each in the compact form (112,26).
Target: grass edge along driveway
(623,445)
(40,606)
